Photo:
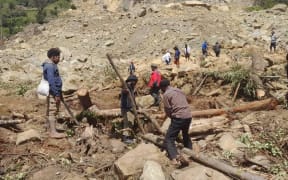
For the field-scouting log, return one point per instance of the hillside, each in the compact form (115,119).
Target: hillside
(252,140)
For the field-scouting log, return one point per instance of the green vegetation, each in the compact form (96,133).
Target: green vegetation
(264,4)
(15,14)
(238,75)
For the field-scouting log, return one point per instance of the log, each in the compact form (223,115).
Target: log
(108,113)
(84,98)
(267,104)
(129,93)
(208,161)
(200,85)
(12,121)
(202,126)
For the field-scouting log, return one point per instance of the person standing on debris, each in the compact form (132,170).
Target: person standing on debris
(51,74)
(126,106)
(177,56)
(217,49)
(177,108)
(131,68)
(167,57)
(273,41)
(154,82)
(205,49)
(287,52)
(187,51)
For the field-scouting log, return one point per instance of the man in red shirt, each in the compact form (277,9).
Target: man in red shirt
(154,82)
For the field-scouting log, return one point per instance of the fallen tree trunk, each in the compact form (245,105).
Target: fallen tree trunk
(12,121)
(202,126)
(108,113)
(266,104)
(208,161)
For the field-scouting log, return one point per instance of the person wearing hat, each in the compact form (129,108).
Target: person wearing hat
(153,84)
(126,106)
(178,110)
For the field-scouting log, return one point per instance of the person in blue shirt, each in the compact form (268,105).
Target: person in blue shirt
(51,74)
(205,49)
(177,56)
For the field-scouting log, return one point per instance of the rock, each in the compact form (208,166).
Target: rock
(198,173)
(280,7)
(117,146)
(165,125)
(142,12)
(65,54)
(88,132)
(29,135)
(133,161)
(196,3)
(223,8)
(69,35)
(145,101)
(82,58)
(90,170)
(109,43)
(187,88)
(262,160)
(52,172)
(176,6)
(154,8)
(228,143)
(152,171)
(236,124)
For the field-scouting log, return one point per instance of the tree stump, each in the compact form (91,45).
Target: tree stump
(84,98)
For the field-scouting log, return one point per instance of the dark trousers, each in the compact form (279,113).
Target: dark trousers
(273,45)
(154,92)
(175,127)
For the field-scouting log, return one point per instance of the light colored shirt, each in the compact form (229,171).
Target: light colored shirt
(187,50)
(175,104)
(166,57)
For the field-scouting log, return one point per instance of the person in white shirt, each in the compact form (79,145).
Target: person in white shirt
(187,51)
(167,58)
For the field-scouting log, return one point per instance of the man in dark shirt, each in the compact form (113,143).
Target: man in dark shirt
(178,110)
(177,56)
(126,106)
(217,49)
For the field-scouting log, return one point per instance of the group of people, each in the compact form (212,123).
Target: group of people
(187,52)
(175,105)
(175,102)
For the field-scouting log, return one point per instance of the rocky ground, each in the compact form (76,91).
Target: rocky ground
(252,140)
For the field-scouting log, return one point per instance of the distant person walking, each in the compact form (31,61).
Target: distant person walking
(205,49)
(177,56)
(217,49)
(177,108)
(167,57)
(187,51)
(273,43)
(131,68)
(154,82)
(51,74)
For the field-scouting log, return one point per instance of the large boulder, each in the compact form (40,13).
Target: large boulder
(228,143)
(152,171)
(199,173)
(133,161)
(145,101)
(280,7)
(29,135)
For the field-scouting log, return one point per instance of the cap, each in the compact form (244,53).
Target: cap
(164,83)
(132,78)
